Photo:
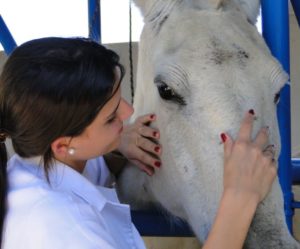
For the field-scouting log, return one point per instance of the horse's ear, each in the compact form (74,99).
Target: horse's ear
(250,7)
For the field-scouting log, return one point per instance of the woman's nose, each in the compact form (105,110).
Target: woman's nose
(126,110)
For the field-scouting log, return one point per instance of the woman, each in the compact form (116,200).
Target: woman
(61,105)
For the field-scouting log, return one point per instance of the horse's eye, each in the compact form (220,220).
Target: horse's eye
(277,98)
(167,93)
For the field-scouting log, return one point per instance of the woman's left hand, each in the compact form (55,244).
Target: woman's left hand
(139,144)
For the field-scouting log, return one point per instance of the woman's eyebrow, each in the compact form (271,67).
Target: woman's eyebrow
(114,111)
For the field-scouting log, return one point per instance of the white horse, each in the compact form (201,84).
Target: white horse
(202,64)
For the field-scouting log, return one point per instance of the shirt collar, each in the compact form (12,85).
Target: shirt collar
(64,178)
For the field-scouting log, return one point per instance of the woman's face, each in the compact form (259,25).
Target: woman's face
(103,134)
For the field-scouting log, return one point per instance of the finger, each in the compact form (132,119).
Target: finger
(146,119)
(228,143)
(149,146)
(147,158)
(262,137)
(269,151)
(148,131)
(246,126)
(271,170)
(149,170)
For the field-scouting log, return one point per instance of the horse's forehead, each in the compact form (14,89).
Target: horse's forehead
(198,31)
(213,45)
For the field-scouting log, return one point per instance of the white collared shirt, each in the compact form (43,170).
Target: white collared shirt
(74,211)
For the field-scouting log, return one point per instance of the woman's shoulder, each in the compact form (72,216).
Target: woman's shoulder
(57,220)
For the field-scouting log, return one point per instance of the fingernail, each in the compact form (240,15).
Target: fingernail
(152,116)
(156,149)
(223,137)
(155,134)
(157,164)
(251,111)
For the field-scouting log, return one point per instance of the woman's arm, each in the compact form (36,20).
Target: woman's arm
(232,222)
(249,171)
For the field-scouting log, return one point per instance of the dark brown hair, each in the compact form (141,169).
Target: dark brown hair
(51,87)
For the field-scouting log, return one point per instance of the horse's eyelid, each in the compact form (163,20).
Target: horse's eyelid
(177,98)
(180,100)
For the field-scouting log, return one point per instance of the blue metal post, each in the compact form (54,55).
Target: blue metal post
(6,38)
(296,6)
(275,18)
(94,20)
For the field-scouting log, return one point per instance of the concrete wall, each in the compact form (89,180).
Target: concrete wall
(2,59)
(123,50)
(295,83)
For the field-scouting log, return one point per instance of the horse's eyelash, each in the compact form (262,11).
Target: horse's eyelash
(174,97)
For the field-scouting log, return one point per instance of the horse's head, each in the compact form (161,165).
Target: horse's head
(202,66)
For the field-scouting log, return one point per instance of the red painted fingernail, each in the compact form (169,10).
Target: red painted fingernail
(155,134)
(157,164)
(156,149)
(152,116)
(252,112)
(223,137)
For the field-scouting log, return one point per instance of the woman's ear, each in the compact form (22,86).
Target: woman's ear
(60,146)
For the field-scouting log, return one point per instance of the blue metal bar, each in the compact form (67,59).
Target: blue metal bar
(6,38)
(154,223)
(296,170)
(94,12)
(296,204)
(275,17)
(296,6)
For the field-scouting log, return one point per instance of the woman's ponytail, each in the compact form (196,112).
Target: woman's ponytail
(3,183)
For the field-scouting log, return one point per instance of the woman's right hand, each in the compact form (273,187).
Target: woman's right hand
(140,144)
(249,171)
(249,166)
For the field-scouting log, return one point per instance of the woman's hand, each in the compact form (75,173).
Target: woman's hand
(249,166)
(139,144)
(249,171)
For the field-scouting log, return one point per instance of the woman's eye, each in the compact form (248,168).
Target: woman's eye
(167,93)
(277,98)
(111,120)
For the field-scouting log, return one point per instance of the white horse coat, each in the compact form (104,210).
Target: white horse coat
(202,64)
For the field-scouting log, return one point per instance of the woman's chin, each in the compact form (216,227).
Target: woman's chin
(114,145)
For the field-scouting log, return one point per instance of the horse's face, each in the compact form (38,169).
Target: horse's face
(202,70)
